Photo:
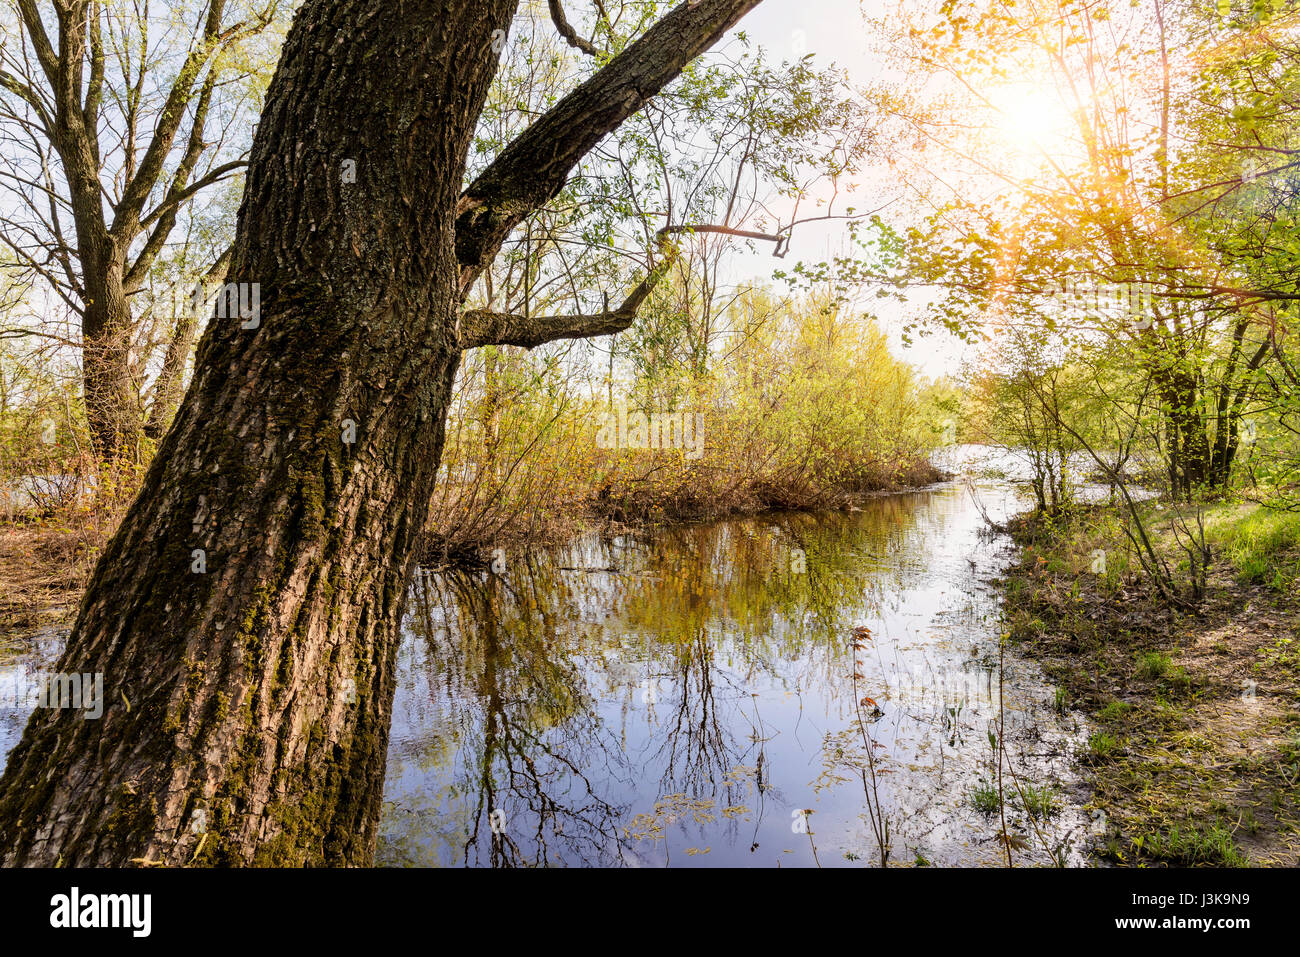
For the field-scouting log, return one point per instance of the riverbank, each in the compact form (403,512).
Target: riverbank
(1196,756)
(45,563)
(628,502)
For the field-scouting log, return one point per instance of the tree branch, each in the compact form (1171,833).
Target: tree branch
(40,39)
(533,168)
(180,193)
(12,83)
(566,30)
(95,87)
(141,184)
(483,327)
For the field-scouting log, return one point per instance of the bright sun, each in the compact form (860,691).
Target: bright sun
(1030,119)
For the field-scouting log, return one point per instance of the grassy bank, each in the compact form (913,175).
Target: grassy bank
(1195,756)
(809,410)
(46,558)
(615,492)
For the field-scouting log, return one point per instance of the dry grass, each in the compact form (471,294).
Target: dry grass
(43,570)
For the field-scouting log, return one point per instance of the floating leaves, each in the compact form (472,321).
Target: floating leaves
(674,808)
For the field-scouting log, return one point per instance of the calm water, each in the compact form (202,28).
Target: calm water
(684,697)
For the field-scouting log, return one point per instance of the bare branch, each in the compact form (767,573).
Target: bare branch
(566,30)
(171,115)
(40,39)
(533,168)
(483,327)
(12,83)
(95,87)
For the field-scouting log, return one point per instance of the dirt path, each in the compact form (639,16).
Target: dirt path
(1197,760)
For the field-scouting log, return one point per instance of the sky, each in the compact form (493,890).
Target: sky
(834,31)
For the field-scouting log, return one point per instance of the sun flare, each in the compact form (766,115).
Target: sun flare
(1030,118)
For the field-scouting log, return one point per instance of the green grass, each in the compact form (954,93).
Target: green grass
(1261,546)
(1190,846)
(1103,744)
(1153,664)
(1157,666)
(984,798)
(1041,802)
(1178,679)
(1114,711)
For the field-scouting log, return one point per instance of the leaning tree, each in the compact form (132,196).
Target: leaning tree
(245,614)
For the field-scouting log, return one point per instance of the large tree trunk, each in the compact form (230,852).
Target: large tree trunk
(259,688)
(245,615)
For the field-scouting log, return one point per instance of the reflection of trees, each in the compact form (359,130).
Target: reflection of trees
(697,752)
(530,667)
(529,740)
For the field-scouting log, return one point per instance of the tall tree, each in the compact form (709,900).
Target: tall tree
(118,119)
(245,614)
(1114,137)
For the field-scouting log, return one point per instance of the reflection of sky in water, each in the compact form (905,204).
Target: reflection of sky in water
(685,707)
(696,698)
(21,679)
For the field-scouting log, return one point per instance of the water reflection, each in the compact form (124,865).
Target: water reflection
(684,696)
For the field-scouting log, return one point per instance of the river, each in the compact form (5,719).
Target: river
(692,696)
(686,696)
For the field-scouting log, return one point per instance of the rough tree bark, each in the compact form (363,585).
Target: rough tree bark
(245,614)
